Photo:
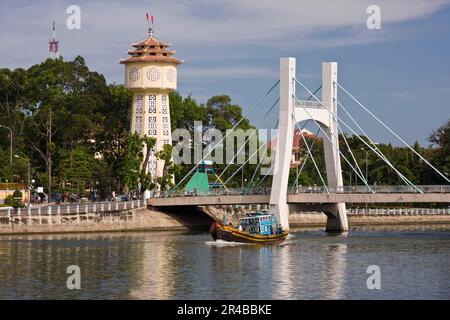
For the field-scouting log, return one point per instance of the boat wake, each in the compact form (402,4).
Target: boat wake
(222,243)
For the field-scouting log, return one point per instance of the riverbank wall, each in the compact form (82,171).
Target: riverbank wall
(198,218)
(230,214)
(137,219)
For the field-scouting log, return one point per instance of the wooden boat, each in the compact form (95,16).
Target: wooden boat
(256,228)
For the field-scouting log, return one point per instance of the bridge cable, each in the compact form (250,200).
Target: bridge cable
(312,95)
(244,144)
(353,131)
(350,150)
(391,131)
(340,152)
(259,165)
(267,174)
(240,120)
(276,125)
(377,150)
(312,145)
(241,167)
(305,160)
(310,153)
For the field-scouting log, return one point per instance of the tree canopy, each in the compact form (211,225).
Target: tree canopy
(73,128)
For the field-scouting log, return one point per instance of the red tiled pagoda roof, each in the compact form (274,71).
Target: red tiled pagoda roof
(151,50)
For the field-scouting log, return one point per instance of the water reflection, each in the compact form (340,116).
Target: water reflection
(335,267)
(174,265)
(154,270)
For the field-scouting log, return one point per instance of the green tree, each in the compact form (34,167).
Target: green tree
(170,169)
(76,167)
(129,171)
(441,158)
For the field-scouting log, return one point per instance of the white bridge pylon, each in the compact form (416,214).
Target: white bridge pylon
(292,111)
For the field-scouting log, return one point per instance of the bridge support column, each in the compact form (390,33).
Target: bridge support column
(278,196)
(337,217)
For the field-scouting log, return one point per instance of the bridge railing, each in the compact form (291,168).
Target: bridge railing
(69,213)
(375,188)
(398,211)
(212,192)
(69,209)
(303,189)
(309,104)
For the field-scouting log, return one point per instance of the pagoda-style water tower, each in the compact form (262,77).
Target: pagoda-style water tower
(151,73)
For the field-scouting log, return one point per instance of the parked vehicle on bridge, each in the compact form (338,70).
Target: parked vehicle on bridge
(39,198)
(57,197)
(73,198)
(257,227)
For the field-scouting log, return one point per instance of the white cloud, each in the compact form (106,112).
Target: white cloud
(229,72)
(207,32)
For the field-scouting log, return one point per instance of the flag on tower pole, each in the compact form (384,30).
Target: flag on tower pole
(149,18)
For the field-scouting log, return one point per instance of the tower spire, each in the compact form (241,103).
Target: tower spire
(53,44)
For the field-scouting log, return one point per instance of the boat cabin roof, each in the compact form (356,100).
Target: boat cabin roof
(257,217)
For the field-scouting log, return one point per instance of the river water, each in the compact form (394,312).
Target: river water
(310,264)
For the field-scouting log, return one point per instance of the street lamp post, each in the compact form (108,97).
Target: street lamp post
(11,142)
(350,175)
(29,174)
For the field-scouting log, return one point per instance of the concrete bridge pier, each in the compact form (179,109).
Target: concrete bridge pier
(336,218)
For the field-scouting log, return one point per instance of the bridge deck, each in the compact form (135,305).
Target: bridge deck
(300,198)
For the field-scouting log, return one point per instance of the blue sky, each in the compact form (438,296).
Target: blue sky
(401,72)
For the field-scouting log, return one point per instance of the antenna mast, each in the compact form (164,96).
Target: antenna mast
(53,44)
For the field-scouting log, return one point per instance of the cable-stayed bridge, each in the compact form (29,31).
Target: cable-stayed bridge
(331,198)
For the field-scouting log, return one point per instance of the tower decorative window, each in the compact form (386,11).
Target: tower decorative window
(164,104)
(134,74)
(153,74)
(139,103)
(152,103)
(152,125)
(165,129)
(138,120)
(170,75)
(138,125)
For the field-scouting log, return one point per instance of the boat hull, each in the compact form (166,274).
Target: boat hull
(230,234)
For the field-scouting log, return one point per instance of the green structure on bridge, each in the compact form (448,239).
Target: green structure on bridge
(199,183)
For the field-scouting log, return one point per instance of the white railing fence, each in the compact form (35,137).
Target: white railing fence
(64,213)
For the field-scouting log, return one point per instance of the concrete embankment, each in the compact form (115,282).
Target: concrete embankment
(361,217)
(319,220)
(139,219)
(188,218)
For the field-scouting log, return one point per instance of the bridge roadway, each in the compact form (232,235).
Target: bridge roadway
(299,198)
